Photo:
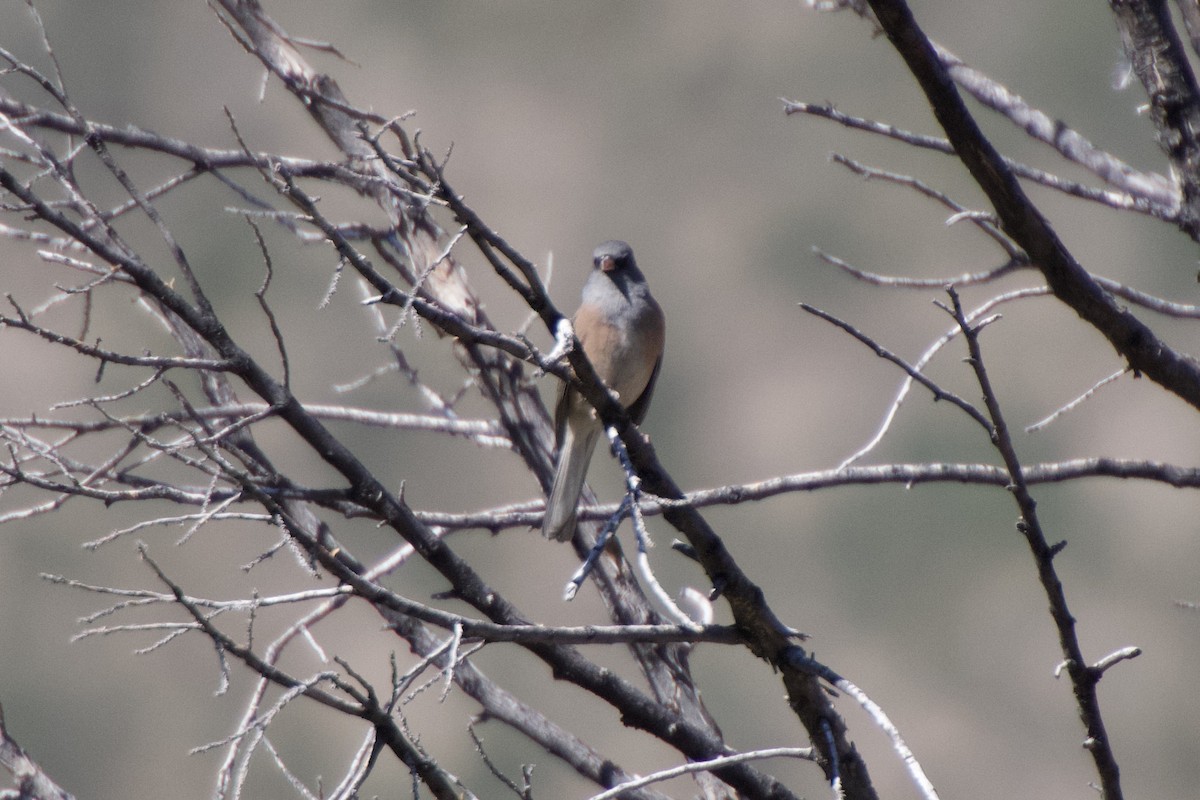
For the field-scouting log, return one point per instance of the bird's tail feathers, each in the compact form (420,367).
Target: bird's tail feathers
(569,475)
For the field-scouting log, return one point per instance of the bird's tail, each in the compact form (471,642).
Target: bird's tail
(569,473)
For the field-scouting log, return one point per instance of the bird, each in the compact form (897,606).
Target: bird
(622,330)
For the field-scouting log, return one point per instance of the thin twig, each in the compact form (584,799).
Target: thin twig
(1083,677)
(806,753)
(938,392)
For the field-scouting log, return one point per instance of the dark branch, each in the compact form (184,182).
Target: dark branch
(1020,219)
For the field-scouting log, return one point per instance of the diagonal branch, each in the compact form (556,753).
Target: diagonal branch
(1159,60)
(365,705)
(1149,187)
(1084,678)
(1158,202)
(1019,218)
(32,781)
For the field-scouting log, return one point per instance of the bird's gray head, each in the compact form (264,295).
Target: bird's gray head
(615,259)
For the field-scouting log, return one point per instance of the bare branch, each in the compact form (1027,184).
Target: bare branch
(32,781)
(1083,677)
(1113,199)
(714,763)
(439,782)
(881,351)
(1131,338)
(876,712)
(985,223)
(1150,189)
(21,322)
(1161,64)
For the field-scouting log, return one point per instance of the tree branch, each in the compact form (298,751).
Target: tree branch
(1161,64)
(1083,678)
(1019,218)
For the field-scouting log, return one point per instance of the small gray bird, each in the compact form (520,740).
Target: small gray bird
(622,331)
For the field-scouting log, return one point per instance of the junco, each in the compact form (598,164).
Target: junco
(621,328)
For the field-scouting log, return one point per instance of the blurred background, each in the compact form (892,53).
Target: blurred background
(660,123)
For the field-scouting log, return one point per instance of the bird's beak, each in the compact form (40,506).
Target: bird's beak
(607,264)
